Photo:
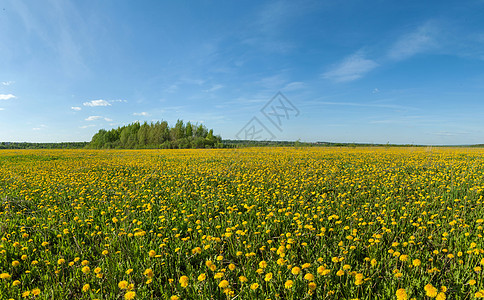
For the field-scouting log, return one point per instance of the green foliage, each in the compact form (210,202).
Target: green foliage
(156,135)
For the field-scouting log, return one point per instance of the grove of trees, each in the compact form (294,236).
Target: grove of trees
(156,135)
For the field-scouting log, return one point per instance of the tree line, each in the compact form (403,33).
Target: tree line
(156,135)
(26,145)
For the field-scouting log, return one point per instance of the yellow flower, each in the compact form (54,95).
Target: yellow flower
(148,273)
(306,265)
(35,292)
(231,267)
(309,277)
(472,282)
(220,257)
(312,286)
(202,277)
(263,264)
(401,294)
(373,262)
(243,279)
(174,297)
(15,283)
(288,284)
(268,277)
(129,271)
(61,261)
(26,294)
(5,276)
(152,253)
(85,270)
(184,281)
(123,285)
(84,262)
(416,262)
(340,273)
(223,284)
(296,270)
(105,252)
(86,287)
(440,296)
(23,257)
(15,263)
(254,286)
(97,270)
(129,295)
(430,291)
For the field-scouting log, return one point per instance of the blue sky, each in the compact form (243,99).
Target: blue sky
(357,71)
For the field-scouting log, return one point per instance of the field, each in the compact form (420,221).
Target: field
(255,223)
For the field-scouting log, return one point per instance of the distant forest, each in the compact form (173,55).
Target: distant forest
(26,145)
(156,135)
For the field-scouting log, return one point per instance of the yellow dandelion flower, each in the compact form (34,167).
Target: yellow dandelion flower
(243,279)
(401,294)
(123,284)
(129,295)
(268,277)
(309,277)
(254,286)
(430,291)
(202,277)
(86,287)
(296,270)
(86,270)
(312,286)
(223,284)
(288,284)
(5,276)
(183,281)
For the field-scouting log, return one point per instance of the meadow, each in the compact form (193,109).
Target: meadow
(254,223)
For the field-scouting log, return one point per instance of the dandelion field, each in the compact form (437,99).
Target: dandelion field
(254,223)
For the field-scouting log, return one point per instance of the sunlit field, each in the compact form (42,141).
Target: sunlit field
(257,223)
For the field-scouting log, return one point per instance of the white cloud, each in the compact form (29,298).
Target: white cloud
(418,41)
(375,91)
(99,102)
(93,118)
(352,68)
(214,88)
(77,108)
(296,85)
(7,96)
(118,100)
(144,114)
(87,126)
(40,127)
(2,108)
(7,83)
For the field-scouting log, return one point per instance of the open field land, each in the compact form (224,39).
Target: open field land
(255,223)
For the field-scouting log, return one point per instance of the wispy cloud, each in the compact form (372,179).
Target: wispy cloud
(214,88)
(420,40)
(76,108)
(99,102)
(118,101)
(297,85)
(87,126)
(351,68)
(42,126)
(94,118)
(7,96)
(143,113)
(2,108)
(7,83)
